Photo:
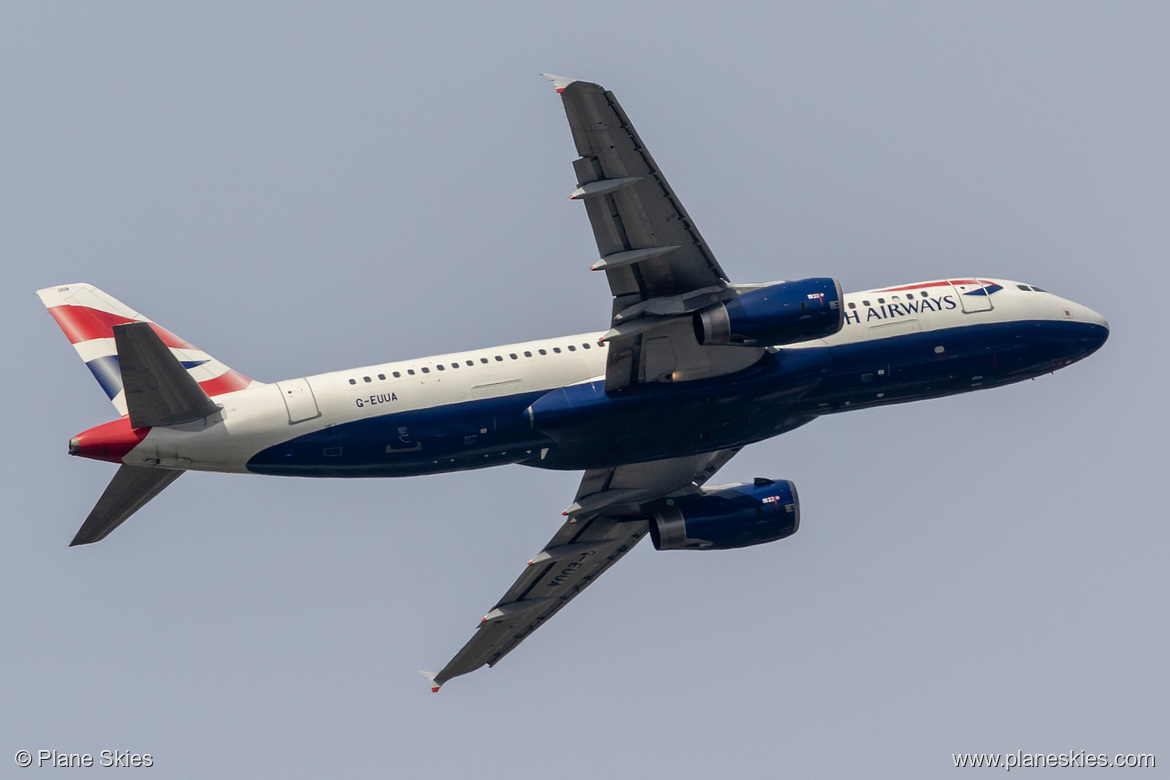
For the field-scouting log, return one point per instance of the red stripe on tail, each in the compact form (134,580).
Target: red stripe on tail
(81,323)
(228,382)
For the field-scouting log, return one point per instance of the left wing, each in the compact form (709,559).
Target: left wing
(604,523)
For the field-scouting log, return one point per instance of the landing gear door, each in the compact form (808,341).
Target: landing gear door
(973,295)
(299,400)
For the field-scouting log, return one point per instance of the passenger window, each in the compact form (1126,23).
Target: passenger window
(367,379)
(527,353)
(585,345)
(470,362)
(483,360)
(541,351)
(426,370)
(881,300)
(353,381)
(397,374)
(572,348)
(454,365)
(441,367)
(382,377)
(410,371)
(557,350)
(513,356)
(865,303)
(499,358)
(852,305)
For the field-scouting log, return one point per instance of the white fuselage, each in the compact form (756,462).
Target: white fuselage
(266,414)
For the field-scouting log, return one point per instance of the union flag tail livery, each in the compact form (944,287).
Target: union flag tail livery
(692,369)
(88,316)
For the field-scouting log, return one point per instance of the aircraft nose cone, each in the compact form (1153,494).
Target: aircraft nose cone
(1095,318)
(1098,329)
(74,446)
(1104,330)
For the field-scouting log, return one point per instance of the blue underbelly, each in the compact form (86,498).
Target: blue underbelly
(582,427)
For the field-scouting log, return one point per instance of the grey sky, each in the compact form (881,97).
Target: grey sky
(301,188)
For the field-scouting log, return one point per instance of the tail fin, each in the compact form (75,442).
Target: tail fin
(88,316)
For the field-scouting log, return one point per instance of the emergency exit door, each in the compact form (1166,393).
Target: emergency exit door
(299,400)
(973,295)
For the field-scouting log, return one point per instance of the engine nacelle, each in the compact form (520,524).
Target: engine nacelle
(736,516)
(782,313)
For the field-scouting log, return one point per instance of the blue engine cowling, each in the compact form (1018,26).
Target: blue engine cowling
(782,313)
(738,516)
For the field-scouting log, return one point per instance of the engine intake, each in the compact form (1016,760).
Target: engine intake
(735,516)
(782,313)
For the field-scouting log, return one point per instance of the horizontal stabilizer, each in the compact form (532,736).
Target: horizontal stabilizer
(127,492)
(159,391)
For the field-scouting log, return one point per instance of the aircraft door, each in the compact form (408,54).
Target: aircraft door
(298,400)
(972,295)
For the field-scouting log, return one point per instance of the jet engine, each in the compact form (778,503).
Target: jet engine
(781,313)
(724,518)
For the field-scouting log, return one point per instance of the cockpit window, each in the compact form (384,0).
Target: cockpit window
(1024,287)
(1037,289)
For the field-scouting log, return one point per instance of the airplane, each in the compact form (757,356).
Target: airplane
(692,369)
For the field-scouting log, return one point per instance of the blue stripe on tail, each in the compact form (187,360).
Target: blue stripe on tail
(108,372)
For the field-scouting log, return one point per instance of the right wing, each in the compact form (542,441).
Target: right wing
(604,524)
(659,268)
(648,244)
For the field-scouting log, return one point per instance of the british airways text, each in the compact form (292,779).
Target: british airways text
(886,311)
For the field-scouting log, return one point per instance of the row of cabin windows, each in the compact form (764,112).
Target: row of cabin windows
(1025,287)
(500,358)
(922,294)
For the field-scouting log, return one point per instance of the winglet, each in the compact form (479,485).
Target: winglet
(431,679)
(559,82)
